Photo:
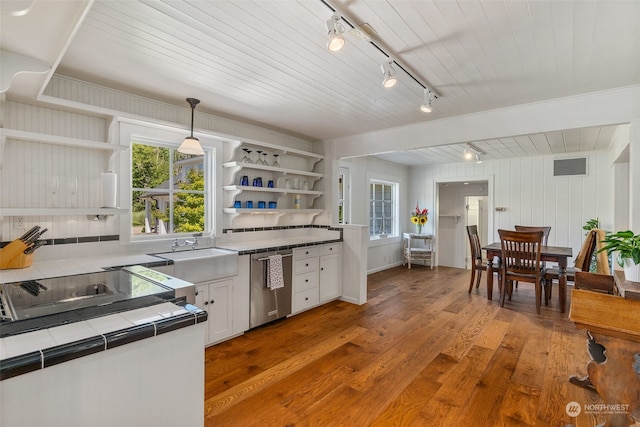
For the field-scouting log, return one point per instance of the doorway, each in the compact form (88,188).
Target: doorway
(461,203)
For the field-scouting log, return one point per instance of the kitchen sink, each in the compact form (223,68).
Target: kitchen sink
(201,265)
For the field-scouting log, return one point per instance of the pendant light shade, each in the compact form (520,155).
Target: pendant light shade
(191,145)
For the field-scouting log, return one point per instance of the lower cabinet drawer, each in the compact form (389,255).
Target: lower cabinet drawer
(302,282)
(305,299)
(333,248)
(305,265)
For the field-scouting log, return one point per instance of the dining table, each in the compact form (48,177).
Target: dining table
(558,254)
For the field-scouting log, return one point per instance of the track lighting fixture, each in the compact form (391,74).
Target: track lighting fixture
(389,74)
(472,152)
(426,107)
(335,29)
(191,144)
(468,155)
(336,42)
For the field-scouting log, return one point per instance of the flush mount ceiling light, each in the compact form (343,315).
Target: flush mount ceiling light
(426,107)
(191,144)
(335,29)
(389,74)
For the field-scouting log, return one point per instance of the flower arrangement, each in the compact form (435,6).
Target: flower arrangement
(419,217)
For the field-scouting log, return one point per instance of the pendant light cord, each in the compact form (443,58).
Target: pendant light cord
(193,102)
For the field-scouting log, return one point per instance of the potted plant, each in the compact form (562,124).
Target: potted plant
(627,245)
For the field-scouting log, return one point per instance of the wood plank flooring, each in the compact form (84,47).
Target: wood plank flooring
(420,352)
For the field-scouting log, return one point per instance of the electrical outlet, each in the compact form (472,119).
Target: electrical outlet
(19,223)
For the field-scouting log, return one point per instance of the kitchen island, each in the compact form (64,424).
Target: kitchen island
(116,363)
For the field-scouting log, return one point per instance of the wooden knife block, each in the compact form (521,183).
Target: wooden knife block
(13,256)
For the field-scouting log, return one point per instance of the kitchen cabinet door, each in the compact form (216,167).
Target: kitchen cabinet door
(217,299)
(330,276)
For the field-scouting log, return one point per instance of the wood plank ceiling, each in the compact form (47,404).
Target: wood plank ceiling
(266,61)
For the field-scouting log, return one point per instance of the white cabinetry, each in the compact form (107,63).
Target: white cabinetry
(305,279)
(330,271)
(296,182)
(216,298)
(227,303)
(317,275)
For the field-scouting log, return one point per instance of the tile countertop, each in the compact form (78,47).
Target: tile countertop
(70,266)
(258,241)
(28,352)
(257,245)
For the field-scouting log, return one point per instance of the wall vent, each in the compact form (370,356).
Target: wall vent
(563,167)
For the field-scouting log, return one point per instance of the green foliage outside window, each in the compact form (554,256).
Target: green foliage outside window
(152,169)
(188,214)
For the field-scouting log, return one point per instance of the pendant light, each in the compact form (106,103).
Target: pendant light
(191,144)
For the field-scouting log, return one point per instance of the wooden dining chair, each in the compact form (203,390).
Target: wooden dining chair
(582,263)
(478,264)
(545,230)
(521,262)
(545,239)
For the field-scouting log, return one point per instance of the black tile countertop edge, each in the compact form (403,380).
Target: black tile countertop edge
(44,358)
(282,248)
(78,315)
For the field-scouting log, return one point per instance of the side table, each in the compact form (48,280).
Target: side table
(417,247)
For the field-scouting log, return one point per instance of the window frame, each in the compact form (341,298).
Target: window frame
(133,131)
(395,222)
(171,191)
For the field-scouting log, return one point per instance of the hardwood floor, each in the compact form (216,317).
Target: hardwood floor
(421,351)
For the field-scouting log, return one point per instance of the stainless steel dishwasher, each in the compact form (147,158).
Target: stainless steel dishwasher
(266,304)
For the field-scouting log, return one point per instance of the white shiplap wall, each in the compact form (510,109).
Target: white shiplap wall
(99,99)
(531,194)
(29,170)
(28,166)
(383,253)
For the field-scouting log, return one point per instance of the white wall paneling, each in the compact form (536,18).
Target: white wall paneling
(28,165)
(66,91)
(354,260)
(531,195)
(382,253)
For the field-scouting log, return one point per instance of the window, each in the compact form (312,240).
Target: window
(383,209)
(168,190)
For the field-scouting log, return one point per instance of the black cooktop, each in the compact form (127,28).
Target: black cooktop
(33,304)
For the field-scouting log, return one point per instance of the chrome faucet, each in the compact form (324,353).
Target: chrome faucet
(193,243)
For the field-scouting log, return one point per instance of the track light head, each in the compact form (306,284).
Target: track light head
(335,29)
(389,74)
(191,145)
(468,154)
(478,159)
(426,107)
